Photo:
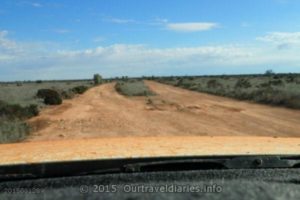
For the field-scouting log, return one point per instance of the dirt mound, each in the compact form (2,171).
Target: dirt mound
(102,112)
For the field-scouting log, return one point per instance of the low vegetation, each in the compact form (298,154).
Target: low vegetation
(27,98)
(14,111)
(133,88)
(97,79)
(270,88)
(12,127)
(50,96)
(13,131)
(79,89)
(25,95)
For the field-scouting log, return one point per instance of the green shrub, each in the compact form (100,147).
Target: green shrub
(124,78)
(265,85)
(79,89)
(269,72)
(290,79)
(42,93)
(293,102)
(32,110)
(17,112)
(50,96)
(136,88)
(97,79)
(185,83)
(195,87)
(13,131)
(243,83)
(53,100)
(213,84)
(276,97)
(65,94)
(276,77)
(276,82)
(69,94)
(179,82)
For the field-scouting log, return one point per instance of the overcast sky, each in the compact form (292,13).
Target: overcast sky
(67,39)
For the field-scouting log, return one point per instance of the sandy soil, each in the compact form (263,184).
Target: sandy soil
(102,112)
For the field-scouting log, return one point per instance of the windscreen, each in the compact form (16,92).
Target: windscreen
(75,71)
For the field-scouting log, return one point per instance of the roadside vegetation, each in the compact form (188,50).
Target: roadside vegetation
(270,88)
(24,93)
(21,100)
(13,131)
(97,79)
(133,87)
(12,127)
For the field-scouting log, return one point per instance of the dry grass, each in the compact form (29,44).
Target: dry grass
(133,88)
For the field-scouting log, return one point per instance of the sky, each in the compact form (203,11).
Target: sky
(73,39)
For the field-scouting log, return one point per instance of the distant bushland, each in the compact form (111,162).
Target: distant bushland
(270,88)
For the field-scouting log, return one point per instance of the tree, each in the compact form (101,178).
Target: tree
(97,79)
(269,72)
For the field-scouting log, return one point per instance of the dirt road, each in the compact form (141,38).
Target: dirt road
(102,112)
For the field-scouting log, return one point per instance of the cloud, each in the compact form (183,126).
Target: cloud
(281,37)
(29,3)
(191,26)
(19,61)
(183,27)
(113,60)
(9,49)
(37,5)
(179,27)
(12,51)
(99,39)
(119,20)
(135,53)
(137,60)
(159,21)
(5,43)
(283,40)
(3,33)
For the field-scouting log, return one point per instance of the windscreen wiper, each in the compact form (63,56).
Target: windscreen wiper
(140,165)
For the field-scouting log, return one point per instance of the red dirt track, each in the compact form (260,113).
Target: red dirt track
(102,112)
